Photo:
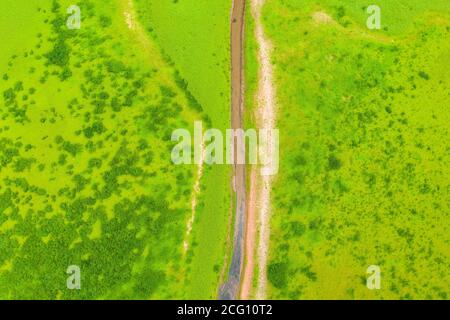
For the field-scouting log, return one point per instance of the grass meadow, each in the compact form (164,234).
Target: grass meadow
(364,124)
(194,38)
(86,177)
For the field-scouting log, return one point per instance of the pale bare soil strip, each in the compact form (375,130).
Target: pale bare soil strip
(195,193)
(265,119)
(130,19)
(129,15)
(142,38)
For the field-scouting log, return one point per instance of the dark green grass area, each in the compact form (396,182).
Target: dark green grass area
(364,123)
(86,177)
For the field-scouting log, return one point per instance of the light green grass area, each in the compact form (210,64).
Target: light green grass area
(86,177)
(194,37)
(364,124)
(250,69)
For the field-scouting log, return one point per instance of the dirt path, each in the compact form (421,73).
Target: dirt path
(195,193)
(250,238)
(230,289)
(259,205)
(258,210)
(265,119)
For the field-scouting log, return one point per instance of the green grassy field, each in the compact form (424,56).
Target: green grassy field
(364,123)
(194,37)
(86,177)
